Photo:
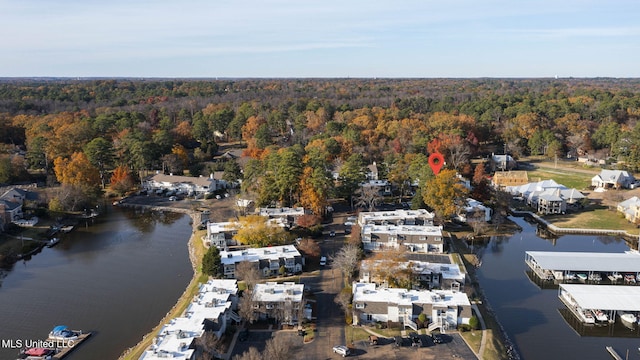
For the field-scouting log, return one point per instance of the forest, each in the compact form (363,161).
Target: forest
(297,135)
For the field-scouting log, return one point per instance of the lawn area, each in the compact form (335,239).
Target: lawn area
(473,338)
(354,333)
(568,178)
(596,217)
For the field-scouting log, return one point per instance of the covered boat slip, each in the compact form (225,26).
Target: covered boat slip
(549,265)
(607,298)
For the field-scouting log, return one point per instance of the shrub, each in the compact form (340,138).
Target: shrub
(473,322)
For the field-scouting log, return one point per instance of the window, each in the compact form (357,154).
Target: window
(269,306)
(360,306)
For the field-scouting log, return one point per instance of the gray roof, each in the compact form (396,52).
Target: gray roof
(587,261)
(605,297)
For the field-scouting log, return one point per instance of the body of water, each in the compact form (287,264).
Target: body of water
(116,277)
(532,315)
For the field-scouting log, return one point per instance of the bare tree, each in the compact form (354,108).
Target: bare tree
(251,354)
(476,219)
(209,345)
(367,197)
(248,272)
(347,260)
(246,308)
(309,247)
(280,348)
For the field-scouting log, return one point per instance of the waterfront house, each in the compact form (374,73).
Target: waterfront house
(420,274)
(280,301)
(187,184)
(502,162)
(613,179)
(414,238)
(473,210)
(630,208)
(444,308)
(211,310)
(269,260)
(220,234)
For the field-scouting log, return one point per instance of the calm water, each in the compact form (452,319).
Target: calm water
(530,315)
(116,278)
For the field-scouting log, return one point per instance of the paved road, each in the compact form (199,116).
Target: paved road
(330,319)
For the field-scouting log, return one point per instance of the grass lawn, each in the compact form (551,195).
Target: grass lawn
(596,217)
(353,334)
(473,338)
(568,178)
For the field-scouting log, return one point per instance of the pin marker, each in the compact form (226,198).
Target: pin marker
(435,162)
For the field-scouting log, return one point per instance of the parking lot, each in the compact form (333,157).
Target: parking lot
(453,347)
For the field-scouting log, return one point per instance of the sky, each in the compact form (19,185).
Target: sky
(311,39)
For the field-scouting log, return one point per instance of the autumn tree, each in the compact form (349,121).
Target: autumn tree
(481,190)
(309,248)
(121,180)
(444,194)
(314,189)
(79,173)
(256,231)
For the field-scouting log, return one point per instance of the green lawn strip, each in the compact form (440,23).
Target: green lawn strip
(593,218)
(354,333)
(565,177)
(473,339)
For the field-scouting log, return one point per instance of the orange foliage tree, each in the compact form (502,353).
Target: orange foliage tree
(121,180)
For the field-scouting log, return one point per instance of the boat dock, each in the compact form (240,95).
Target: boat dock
(613,353)
(601,302)
(585,267)
(65,350)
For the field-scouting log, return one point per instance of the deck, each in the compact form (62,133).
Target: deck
(70,346)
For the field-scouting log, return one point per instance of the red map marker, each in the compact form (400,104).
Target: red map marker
(436,160)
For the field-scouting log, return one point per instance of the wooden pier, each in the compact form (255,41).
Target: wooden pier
(69,346)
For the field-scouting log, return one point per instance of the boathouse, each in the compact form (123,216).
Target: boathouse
(586,266)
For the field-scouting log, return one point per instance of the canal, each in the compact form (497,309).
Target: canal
(116,277)
(532,315)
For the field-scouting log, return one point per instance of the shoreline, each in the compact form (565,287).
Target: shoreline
(138,349)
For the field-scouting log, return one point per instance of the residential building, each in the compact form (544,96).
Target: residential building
(280,301)
(474,210)
(269,260)
(422,274)
(211,309)
(616,179)
(425,239)
(11,203)
(383,187)
(502,162)
(547,196)
(444,308)
(187,184)
(284,216)
(509,178)
(396,217)
(630,208)
(372,172)
(220,235)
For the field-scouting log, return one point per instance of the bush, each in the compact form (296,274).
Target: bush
(473,322)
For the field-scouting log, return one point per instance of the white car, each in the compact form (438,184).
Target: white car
(323,261)
(341,350)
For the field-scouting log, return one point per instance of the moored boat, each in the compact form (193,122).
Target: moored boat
(66,229)
(37,353)
(62,332)
(628,319)
(53,242)
(582,276)
(600,315)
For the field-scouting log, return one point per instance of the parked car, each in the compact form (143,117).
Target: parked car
(437,338)
(301,332)
(323,261)
(332,233)
(172,198)
(399,341)
(415,339)
(341,350)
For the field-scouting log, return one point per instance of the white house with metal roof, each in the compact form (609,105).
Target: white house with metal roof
(267,259)
(613,179)
(630,208)
(396,217)
(280,301)
(425,239)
